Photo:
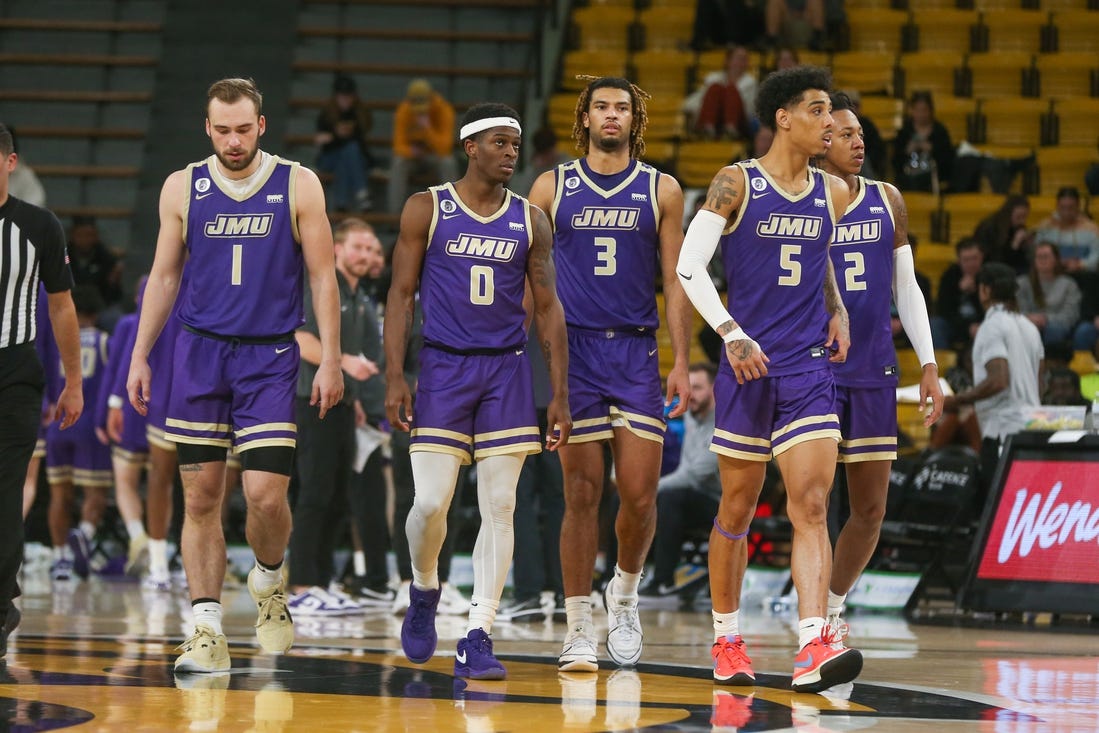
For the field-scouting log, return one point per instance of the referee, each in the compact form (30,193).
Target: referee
(32,249)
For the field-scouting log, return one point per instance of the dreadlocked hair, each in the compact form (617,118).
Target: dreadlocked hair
(638,96)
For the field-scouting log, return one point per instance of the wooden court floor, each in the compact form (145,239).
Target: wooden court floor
(96,656)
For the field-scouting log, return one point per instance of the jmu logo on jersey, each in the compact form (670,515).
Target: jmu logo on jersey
(790,226)
(858,231)
(240,225)
(600,217)
(482,248)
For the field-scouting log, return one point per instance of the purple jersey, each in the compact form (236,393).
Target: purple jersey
(94,369)
(862,255)
(775,258)
(474,274)
(243,250)
(606,245)
(119,348)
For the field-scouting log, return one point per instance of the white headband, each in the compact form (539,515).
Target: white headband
(480,125)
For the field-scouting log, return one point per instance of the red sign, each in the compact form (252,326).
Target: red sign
(1046,526)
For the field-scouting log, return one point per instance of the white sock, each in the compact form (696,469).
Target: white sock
(266,578)
(435,476)
(208,613)
(358,560)
(482,612)
(578,611)
(57,553)
(809,630)
(88,529)
(135,529)
(497,477)
(835,603)
(726,624)
(625,584)
(158,557)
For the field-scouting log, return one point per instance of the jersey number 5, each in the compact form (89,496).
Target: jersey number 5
(789,265)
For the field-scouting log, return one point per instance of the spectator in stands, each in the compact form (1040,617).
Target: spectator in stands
(923,153)
(92,262)
(545,157)
(721,22)
(724,105)
(1091,178)
(344,152)
(423,141)
(1064,388)
(785,57)
(874,164)
(1004,236)
(782,14)
(688,497)
(1074,233)
(958,308)
(1049,297)
(761,142)
(1007,365)
(23,183)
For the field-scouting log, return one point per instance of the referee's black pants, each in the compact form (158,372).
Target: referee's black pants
(325,451)
(20,411)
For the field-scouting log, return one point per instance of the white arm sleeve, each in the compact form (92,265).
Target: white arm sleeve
(699,245)
(911,305)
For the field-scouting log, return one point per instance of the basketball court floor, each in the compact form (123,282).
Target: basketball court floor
(97,657)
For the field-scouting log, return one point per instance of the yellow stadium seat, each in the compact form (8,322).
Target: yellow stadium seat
(590,63)
(698,161)
(966,210)
(1059,5)
(945,29)
(920,206)
(876,30)
(955,114)
(933,259)
(667,27)
(858,5)
(869,72)
(1063,165)
(1013,121)
(1077,30)
(1083,363)
(1040,207)
(1013,30)
(661,153)
(997,5)
(603,27)
(998,74)
(885,112)
(662,73)
(1068,74)
(665,118)
(933,71)
(945,359)
(910,423)
(1076,120)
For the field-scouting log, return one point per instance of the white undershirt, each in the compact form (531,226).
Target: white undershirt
(241,186)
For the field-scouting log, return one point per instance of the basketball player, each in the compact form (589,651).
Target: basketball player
(124,429)
(873,263)
(615,220)
(471,248)
(248,220)
(775,394)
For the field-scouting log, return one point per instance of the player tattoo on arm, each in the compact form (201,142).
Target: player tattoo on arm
(832,300)
(722,193)
(547,353)
(726,328)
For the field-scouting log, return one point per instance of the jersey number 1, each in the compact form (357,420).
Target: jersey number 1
(238,255)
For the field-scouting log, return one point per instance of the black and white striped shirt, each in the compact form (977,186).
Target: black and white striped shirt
(32,249)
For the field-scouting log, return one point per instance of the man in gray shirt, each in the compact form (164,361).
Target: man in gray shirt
(687,497)
(1008,359)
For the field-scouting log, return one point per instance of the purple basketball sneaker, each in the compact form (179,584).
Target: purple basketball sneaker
(475,659)
(418,635)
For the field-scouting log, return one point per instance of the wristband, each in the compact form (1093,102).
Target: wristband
(737,334)
(114,402)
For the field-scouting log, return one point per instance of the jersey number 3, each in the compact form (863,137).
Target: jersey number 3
(605,255)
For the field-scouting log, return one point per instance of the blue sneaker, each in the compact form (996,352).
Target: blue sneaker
(418,635)
(82,552)
(475,660)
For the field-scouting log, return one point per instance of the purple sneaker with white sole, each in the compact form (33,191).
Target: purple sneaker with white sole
(418,635)
(475,659)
